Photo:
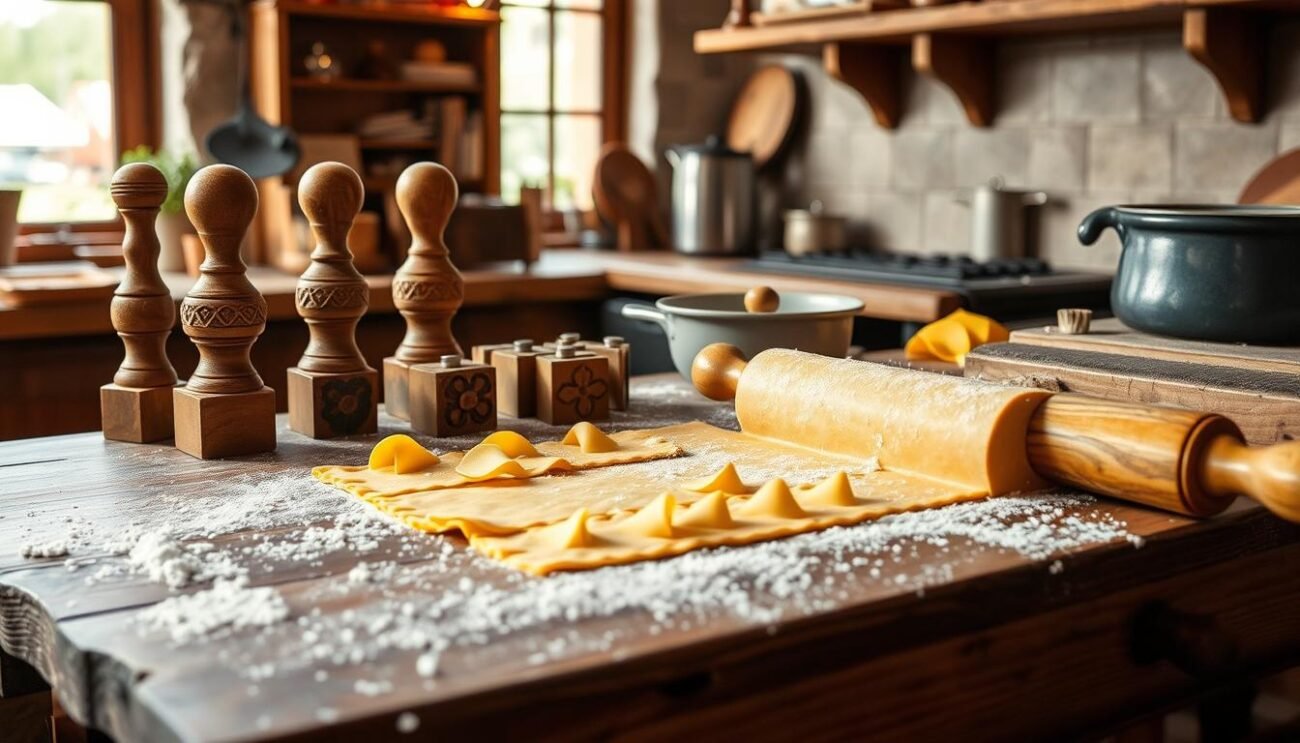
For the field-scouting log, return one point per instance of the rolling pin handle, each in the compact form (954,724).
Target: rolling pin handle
(716,371)
(1268,474)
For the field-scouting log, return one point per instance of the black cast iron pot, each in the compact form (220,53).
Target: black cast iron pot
(1215,273)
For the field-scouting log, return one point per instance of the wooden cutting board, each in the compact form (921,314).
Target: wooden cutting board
(1278,182)
(46,283)
(1258,387)
(762,119)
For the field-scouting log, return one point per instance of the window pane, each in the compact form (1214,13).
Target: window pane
(525,59)
(523,153)
(577,144)
(56,133)
(533,3)
(587,4)
(577,61)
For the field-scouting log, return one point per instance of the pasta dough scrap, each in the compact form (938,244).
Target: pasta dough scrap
(726,480)
(402,455)
(589,439)
(491,462)
(496,494)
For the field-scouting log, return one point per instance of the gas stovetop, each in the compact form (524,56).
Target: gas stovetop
(1009,288)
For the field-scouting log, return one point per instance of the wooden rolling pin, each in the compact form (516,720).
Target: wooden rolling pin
(1183,461)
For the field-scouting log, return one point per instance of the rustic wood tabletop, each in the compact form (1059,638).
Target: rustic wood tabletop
(167,598)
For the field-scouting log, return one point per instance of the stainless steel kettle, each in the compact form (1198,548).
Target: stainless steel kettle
(712,199)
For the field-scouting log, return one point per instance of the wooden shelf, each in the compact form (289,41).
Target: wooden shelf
(398,144)
(377,12)
(951,43)
(379,86)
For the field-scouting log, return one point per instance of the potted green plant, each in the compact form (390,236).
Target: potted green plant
(172,222)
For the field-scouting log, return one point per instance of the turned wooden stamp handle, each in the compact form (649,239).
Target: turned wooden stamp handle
(331,295)
(427,288)
(142,310)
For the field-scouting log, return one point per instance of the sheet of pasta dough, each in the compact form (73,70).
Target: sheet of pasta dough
(611,493)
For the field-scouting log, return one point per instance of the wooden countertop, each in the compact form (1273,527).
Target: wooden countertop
(561,276)
(942,637)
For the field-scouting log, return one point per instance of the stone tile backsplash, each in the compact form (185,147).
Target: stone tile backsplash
(1091,120)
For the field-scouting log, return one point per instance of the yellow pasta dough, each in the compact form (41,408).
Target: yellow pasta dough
(963,431)
(662,492)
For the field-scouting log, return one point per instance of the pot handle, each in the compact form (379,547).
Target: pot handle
(645,312)
(1095,223)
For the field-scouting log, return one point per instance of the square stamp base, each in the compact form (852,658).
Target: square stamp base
(449,401)
(325,406)
(573,389)
(397,388)
(137,414)
(211,426)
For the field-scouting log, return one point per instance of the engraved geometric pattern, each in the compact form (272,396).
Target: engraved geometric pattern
(417,290)
(331,297)
(222,315)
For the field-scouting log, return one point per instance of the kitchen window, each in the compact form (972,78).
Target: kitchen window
(80,73)
(561,94)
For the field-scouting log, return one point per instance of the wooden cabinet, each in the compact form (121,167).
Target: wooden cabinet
(368,45)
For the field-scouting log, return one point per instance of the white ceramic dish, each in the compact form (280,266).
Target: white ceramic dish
(816,323)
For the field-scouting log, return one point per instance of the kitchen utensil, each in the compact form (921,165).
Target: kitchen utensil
(248,141)
(1216,273)
(1278,182)
(713,199)
(763,116)
(625,195)
(1255,386)
(812,230)
(817,323)
(1184,461)
(998,220)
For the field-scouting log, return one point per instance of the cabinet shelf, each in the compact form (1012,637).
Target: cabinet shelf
(949,43)
(380,12)
(380,86)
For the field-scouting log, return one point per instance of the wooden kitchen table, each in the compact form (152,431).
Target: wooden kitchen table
(945,636)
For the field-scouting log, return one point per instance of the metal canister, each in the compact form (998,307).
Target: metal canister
(712,199)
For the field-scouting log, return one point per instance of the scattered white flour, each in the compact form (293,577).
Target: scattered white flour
(56,548)
(229,605)
(431,600)
(407,723)
(167,561)
(427,664)
(372,688)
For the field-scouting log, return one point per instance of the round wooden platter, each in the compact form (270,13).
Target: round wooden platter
(1278,182)
(763,116)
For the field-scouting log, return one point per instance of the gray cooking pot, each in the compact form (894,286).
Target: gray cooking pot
(1215,273)
(817,323)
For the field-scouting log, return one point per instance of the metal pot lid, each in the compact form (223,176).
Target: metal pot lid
(713,146)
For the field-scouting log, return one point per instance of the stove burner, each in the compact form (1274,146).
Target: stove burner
(1010,288)
(864,265)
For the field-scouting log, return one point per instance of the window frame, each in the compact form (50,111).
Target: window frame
(137,92)
(613,104)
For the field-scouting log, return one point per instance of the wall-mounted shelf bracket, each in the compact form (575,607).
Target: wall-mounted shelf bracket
(965,66)
(1230,44)
(872,70)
